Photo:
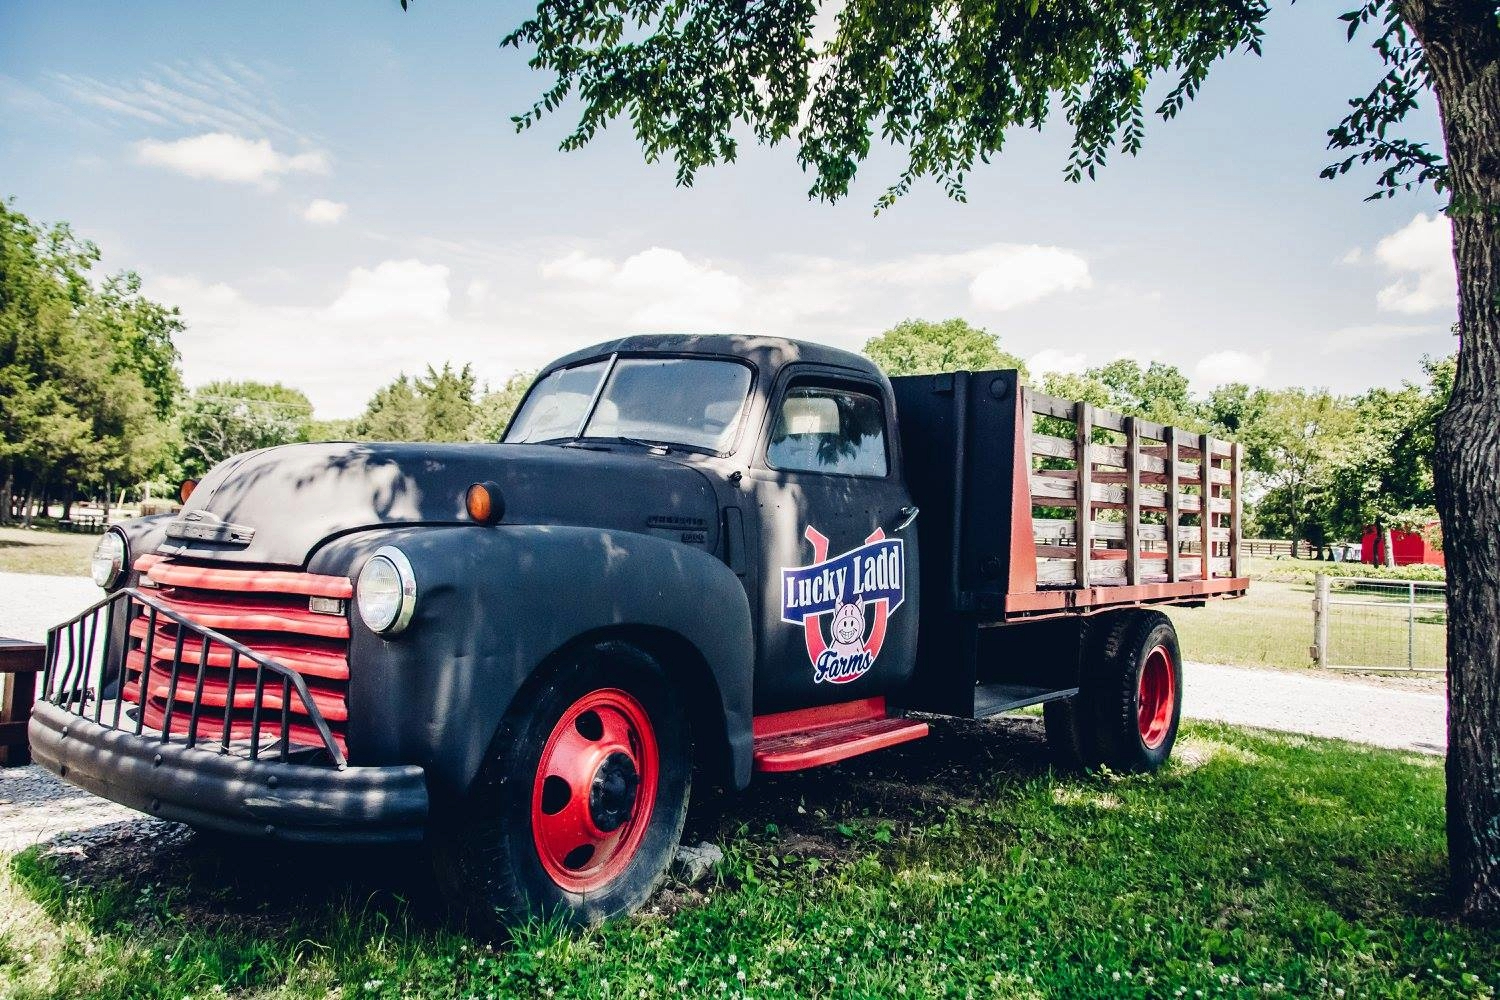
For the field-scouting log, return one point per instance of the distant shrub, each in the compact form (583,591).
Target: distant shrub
(1309,572)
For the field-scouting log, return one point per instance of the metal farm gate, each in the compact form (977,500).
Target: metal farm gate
(1398,626)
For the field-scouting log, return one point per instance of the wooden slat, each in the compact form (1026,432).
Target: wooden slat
(1132,524)
(1187,475)
(1206,517)
(1052,447)
(1051,406)
(1111,572)
(1174,501)
(1235,525)
(1052,529)
(1083,533)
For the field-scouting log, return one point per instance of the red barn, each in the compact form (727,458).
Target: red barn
(1409,547)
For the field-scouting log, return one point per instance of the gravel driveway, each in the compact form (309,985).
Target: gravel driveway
(34,807)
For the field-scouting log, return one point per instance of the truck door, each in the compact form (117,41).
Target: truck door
(838,570)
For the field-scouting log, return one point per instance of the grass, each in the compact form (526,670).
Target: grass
(1272,626)
(957,866)
(53,553)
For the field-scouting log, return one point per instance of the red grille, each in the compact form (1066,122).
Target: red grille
(268,612)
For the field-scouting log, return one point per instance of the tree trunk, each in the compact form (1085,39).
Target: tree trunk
(7,495)
(1387,547)
(1462,44)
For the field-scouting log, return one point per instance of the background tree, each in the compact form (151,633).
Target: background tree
(1384,477)
(496,408)
(88,375)
(1157,392)
(922,347)
(947,82)
(221,419)
(394,413)
(448,408)
(334,429)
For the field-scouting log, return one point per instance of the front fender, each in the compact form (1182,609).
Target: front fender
(493,603)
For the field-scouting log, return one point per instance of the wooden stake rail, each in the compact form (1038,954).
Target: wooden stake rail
(1151,504)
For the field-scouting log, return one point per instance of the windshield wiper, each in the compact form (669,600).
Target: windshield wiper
(661,446)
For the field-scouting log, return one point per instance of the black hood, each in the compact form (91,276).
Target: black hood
(277,505)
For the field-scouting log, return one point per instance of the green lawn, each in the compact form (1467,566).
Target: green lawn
(1272,626)
(54,553)
(1255,866)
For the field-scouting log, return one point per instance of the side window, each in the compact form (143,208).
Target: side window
(822,429)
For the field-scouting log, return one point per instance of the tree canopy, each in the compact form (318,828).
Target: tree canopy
(921,347)
(945,82)
(88,373)
(221,419)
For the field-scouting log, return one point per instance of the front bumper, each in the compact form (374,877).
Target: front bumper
(200,786)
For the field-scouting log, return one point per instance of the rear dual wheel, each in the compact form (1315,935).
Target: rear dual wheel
(580,807)
(1129,702)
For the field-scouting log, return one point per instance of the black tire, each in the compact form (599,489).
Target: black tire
(1072,724)
(493,860)
(1138,643)
(1072,738)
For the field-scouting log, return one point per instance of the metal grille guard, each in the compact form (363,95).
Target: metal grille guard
(72,662)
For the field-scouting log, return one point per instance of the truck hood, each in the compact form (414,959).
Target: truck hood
(276,506)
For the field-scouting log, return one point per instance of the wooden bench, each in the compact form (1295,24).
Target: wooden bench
(20,663)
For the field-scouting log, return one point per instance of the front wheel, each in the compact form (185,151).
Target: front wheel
(580,807)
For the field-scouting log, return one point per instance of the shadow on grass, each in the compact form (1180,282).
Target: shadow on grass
(1275,855)
(166,872)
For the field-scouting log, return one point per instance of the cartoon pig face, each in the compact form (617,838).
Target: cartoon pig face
(849,624)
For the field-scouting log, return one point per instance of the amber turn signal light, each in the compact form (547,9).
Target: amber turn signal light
(484,502)
(186,489)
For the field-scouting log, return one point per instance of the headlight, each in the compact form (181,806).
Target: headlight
(109,560)
(386,592)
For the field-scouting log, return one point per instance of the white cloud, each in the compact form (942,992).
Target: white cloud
(1232,366)
(1018,275)
(223,156)
(479,290)
(1055,360)
(657,289)
(322,212)
(395,289)
(578,266)
(397,315)
(1421,255)
(385,319)
(1351,338)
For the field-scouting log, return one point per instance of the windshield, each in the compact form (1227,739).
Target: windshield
(556,406)
(694,402)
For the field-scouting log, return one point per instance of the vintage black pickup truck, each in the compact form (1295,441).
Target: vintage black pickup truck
(691,558)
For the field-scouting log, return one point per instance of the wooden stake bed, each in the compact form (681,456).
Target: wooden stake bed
(1034,506)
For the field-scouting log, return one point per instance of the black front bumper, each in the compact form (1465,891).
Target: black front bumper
(202,787)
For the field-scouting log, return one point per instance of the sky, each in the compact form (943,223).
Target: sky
(334,194)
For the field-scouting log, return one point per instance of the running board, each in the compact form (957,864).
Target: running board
(993,699)
(812,737)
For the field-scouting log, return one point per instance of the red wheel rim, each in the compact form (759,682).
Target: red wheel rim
(595,785)
(1156,697)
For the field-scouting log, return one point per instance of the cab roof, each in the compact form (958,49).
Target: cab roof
(766,353)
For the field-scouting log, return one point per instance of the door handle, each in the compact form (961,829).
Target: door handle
(906,516)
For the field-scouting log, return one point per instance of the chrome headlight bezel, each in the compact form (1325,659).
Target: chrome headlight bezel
(385,593)
(107,568)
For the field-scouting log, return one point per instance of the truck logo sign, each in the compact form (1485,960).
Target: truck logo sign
(874,574)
